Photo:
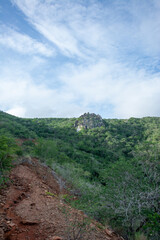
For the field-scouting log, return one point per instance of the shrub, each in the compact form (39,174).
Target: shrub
(140,236)
(7,150)
(77,226)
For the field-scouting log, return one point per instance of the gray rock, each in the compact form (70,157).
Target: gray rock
(89,121)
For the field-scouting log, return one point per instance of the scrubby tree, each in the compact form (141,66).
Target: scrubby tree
(132,192)
(7,150)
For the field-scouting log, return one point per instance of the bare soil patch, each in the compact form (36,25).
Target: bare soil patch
(28,212)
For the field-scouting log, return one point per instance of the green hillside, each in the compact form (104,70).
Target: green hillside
(112,166)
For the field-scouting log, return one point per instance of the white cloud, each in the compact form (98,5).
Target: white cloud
(45,18)
(116,46)
(84,88)
(97,28)
(23,43)
(131,93)
(21,96)
(139,98)
(17,111)
(76,29)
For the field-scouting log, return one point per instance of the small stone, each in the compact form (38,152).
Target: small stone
(11,224)
(57,238)
(108,232)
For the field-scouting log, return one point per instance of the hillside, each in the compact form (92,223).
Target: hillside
(33,207)
(111,166)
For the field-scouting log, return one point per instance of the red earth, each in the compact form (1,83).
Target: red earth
(32,207)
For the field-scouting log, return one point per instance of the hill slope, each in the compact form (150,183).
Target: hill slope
(112,169)
(33,208)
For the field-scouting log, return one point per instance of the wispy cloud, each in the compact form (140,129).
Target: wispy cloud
(22,96)
(23,43)
(72,26)
(107,57)
(130,92)
(77,28)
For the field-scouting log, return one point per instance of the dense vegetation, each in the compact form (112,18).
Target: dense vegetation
(114,169)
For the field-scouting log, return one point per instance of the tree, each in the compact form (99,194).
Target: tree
(132,190)
(7,149)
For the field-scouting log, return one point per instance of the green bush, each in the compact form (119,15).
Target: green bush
(7,151)
(140,236)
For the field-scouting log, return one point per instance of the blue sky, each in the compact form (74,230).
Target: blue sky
(61,58)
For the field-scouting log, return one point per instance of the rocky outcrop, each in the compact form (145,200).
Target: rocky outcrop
(89,121)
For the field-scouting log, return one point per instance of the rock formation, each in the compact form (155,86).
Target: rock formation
(89,121)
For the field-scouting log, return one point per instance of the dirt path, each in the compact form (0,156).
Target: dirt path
(28,212)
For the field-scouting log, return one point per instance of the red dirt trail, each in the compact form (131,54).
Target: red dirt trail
(28,212)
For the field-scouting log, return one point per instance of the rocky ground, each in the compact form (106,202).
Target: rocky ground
(32,207)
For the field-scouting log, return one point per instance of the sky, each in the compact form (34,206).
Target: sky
(62,58)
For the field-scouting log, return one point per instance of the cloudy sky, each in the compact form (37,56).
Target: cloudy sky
(61,58)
